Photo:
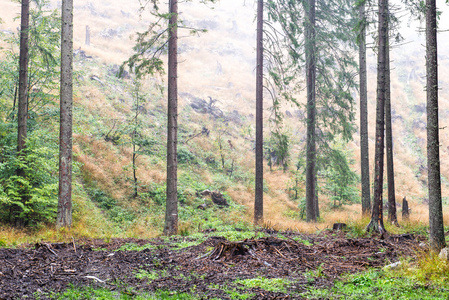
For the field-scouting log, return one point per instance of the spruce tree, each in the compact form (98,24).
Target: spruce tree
(64,217)
(376,223)
(258,204)
(437,239)
(364,147)
(23,101)
(323,31)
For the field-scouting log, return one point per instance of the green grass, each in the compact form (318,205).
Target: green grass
(267,284)
(233,292)
(375,284)
(76,293)
(150,275)
(238,289)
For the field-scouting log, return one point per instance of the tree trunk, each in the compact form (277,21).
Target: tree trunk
(134,136)
(376,223)
(311,214)
(258,204)
(437,240)
(392,216)
(364,148)
(134,162)
(64,217)
(87,35)
(23,78)
(317,204)
(171,212)
(22,102)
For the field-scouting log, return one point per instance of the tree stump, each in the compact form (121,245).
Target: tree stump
(405,209)
(339,226)
(227,250)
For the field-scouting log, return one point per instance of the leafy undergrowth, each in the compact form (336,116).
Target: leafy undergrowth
(76,293)
(378,284)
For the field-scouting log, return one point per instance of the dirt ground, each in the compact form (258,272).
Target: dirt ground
(202,270)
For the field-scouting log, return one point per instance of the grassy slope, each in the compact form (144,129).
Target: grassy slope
(218,64)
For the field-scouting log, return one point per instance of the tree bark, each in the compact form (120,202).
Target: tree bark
(64,216)
(134,158)
(22,105)
(258,204)
(311,201)
(437,240)
(171,212)
(364,147)
(376,223)
(392,216)
(87,35)
(23,78)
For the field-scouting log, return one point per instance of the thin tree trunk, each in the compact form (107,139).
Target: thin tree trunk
(133,140)
(23,77)
(14,102)
(376,223)
(134,164)
(364,148)
(171,212)
(317,204)
(22,104)
(437,240)
(258,204)
(64,217)
(87,35)
(392,216)
(311,214)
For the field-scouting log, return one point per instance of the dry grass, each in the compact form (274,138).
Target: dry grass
(234,87)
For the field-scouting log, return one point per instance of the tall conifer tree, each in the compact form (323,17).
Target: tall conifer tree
(258,204)
(23,98)
(376,223)
(392,216)
(64,217)
(364,147)
(437,239)
(171,211)
(310,50)
(322,30)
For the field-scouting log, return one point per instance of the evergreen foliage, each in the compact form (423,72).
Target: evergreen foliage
(335,66)
(340,181)
(43,66)
(36,192)
(31,198)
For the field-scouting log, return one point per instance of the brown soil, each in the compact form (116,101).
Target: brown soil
(202,269)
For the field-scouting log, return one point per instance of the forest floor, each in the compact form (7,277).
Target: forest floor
(289,263)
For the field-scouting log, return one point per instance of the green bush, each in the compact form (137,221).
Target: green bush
(185,156)
(30,199)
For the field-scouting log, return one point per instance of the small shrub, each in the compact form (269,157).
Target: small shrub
(185,156)
(31,198)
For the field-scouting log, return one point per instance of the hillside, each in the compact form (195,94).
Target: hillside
(216,153)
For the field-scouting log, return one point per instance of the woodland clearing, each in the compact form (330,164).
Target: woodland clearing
(280,265)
